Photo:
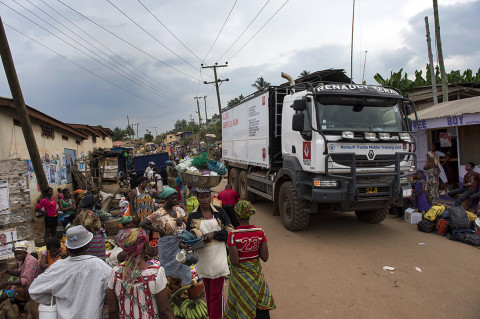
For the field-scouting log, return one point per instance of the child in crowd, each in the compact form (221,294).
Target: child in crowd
(419,198)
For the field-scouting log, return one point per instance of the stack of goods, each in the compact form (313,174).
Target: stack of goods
(453,222)
(200,165)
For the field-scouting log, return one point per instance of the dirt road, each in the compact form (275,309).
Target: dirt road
(334,270)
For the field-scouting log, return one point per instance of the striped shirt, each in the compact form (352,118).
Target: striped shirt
(247,239)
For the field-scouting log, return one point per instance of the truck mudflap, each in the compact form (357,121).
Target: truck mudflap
(355,186)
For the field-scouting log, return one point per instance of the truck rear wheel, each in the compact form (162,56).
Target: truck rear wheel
(233,178)
(294,216)
(243,185)
(372,216)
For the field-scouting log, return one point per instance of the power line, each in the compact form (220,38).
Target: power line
(174,94)
(219,32)
(234,42)
(259,29)
(80,66)
(105,65)
(152,36)
(136,80)
(125,41)
(169,31)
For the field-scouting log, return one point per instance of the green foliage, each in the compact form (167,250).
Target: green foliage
(129,131)
(158,139)
(402,83)
(304,73)
(260,84)
(118,134)
(235,100)
(148,137)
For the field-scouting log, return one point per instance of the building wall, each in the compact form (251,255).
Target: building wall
(19,215)
(172,138)
(52,150)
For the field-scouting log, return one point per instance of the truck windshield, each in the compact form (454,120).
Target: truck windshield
(380,118)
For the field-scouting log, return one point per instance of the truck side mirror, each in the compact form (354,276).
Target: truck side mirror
(408,109)
(299,105)
(298,121)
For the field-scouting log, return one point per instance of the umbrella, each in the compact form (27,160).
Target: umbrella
(210,135)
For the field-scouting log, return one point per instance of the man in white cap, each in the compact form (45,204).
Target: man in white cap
(78,283)
(149,169)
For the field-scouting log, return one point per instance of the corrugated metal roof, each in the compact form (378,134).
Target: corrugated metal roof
(451,108)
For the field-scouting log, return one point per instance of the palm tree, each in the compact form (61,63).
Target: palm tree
(304,73)
(260,84)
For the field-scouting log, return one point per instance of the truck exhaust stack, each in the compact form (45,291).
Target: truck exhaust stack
(290,80)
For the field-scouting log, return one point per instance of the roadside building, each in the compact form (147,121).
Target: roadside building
(423,96)
(59,144)
(454,127)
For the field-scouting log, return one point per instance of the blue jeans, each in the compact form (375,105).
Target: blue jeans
(465,192)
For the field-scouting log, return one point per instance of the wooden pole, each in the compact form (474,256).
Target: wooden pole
(440,52)
(21,108)
(432,68)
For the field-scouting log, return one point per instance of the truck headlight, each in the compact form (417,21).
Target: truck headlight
(405,137)
(370,136)
(325,183)
(384,136)
(348,135)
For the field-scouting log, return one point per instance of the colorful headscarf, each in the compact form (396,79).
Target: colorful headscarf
(21,245)
(132,242)
(167,192)
(244,209)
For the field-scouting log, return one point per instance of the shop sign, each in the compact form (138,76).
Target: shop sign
(447,121)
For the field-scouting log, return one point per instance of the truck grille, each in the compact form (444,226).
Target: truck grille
(361,161)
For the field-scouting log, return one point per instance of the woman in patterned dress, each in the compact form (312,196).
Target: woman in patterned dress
(168,222)
(433,172)
(137,287)
(141,203)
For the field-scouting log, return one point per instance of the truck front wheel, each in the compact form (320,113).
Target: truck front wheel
(294,216)
(233,178)
(372,216)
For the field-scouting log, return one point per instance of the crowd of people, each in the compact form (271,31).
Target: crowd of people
(426,191)
(78,277)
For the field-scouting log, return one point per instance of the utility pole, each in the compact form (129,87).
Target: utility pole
(205,101)
(364,63)
(440,53)
(216,82)
(198,108)
(155,127)
(21,108)
(137,124)
(432,68)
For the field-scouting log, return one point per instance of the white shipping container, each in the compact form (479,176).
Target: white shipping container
(245,132)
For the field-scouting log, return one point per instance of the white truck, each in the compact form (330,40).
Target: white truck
(314,147)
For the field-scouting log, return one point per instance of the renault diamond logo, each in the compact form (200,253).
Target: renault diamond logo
(371,155)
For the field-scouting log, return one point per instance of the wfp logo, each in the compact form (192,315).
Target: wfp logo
(331,148)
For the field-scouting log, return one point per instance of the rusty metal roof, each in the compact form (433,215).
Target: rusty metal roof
(36,114)
(451,108)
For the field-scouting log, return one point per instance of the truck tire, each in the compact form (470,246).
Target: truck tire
(372,216)
(243,185)
(233,178)
(292,212)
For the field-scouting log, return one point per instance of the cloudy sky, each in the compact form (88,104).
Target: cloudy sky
(96,62)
